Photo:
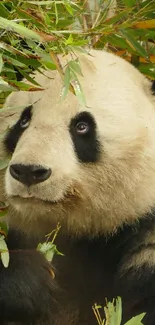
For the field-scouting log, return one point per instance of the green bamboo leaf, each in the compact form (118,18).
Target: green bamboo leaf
(11,49)
(20,85)
(134,43)
(4,227)
(1,63)
(80,43)
(68,7)
(118,311)
(117,40)
(129,3)
(147,69)
(117,17)
(3,10)
(6,69)
(4,252)
(4,86)
(12,26)
(3,212)
(69,41)
(77,88)
(48,249)
(113,311)
(26,76)
(67,79)
(45,3)
(15,62)
(56,12)
(48,64)
(75,66)
(28,62)
(146,24)
(144,68)
(136,320)
(28,16)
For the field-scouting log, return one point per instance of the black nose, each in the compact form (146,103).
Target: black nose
(29,174)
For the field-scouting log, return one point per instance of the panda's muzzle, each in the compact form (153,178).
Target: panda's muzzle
(29,174)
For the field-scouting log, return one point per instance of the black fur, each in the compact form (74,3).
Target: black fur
(86,145)
(88,272)
(153,87)
(26,286)
(16,131)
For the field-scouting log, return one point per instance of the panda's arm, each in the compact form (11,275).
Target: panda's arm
(26,286)
(135,283)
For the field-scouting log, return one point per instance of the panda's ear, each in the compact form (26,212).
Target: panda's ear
(153,87)
(149,88)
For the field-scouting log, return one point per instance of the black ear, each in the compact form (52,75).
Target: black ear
(153,87)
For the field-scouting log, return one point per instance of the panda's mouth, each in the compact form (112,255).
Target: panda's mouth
(32,199)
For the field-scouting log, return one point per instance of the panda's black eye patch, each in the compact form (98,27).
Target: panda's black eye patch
(17,130)
(84,136)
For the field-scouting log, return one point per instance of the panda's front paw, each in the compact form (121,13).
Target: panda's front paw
(26,288)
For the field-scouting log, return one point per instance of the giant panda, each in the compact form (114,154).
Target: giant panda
(91,167)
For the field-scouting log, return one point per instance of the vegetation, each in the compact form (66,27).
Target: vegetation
(32,33)
(113,314)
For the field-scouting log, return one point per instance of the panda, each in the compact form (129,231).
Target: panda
(90,167)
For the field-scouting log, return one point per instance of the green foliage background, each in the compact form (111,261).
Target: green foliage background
(33,32)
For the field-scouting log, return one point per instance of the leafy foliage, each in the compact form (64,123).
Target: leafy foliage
(113,314)
(5,257)
(48,248)
(4,253)
(33,32)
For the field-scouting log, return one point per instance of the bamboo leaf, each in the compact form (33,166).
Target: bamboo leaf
(4,86)
(68,7)
(75,66)
(19,85)
(145,24)
(4,252)
(3,226)
(1,63)
(135,45)
(67,79)
(3,10)
(129,3)
(11,49)
(136,320)
(12,26)
(77,88)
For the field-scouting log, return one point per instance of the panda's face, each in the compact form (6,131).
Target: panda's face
(91,167)
(48,151)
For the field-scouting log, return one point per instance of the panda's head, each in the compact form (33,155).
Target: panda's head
(90,167)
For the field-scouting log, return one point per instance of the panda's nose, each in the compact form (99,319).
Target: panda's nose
(29,174)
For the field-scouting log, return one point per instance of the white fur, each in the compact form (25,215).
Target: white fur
(91,198)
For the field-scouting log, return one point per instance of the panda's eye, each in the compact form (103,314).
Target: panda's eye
(24,123)
(25,117)
(82,127)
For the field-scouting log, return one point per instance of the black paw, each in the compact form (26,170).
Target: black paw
(26,287)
